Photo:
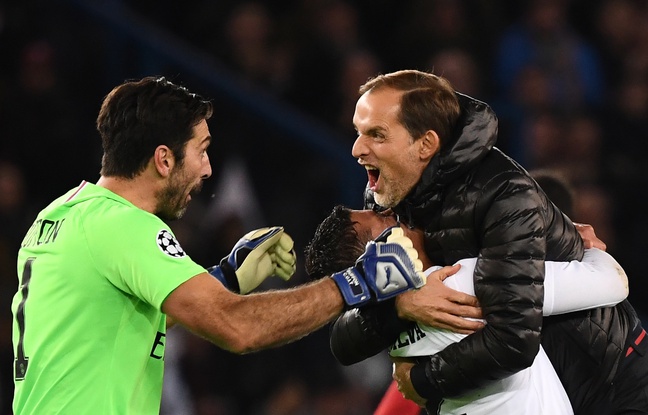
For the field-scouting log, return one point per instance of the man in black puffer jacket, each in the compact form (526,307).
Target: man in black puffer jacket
(430,157)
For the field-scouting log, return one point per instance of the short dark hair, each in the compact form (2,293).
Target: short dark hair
(335,246)
(138,116)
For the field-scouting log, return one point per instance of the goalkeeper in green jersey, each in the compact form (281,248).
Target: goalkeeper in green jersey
(101,275)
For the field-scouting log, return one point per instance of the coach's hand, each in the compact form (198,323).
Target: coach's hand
(256,256)
(401,374)
(590,240)
(439,306)
(382,272)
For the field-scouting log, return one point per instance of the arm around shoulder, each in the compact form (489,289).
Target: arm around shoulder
(596,281)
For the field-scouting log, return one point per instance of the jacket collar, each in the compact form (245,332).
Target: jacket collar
(474,136)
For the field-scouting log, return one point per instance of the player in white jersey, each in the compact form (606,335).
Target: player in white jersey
(535,390)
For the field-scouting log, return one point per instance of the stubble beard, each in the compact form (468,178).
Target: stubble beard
(172,200)
(393,195)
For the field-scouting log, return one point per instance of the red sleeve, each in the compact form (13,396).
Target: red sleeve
(393,403)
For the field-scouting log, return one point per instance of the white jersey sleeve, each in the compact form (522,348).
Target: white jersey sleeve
(596,281)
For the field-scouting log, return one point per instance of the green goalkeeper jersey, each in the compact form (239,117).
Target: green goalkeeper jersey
(88,329)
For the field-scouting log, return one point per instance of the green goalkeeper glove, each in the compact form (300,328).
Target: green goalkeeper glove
(256,256)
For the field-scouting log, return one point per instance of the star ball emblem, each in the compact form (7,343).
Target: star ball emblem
(169,244)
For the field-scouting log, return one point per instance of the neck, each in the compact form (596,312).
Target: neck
(138,191)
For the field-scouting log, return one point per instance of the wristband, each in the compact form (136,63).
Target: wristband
(226,275)
(352,286)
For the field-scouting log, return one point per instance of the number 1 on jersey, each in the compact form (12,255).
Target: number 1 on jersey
(22,360)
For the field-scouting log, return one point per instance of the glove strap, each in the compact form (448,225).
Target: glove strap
(226,275)
(352,286)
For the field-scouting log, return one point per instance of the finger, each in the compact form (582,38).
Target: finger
(468,312)
(446,271)
(285,242)
(284,255)
(285,270)
(463,305)
(461,311)
(396,235)
(462,299)
(459,324)
(418,264)
(286,262)
(284,273)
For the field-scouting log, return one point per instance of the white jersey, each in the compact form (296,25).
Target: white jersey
(535,390)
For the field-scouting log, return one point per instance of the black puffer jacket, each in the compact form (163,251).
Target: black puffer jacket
(474,201)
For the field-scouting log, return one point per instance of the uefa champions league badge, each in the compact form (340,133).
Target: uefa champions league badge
(169,244)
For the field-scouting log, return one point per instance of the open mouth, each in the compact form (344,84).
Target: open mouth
(196,189)
(373,175)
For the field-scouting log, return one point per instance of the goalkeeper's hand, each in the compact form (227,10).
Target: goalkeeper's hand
(256,256)
(388,267)
(395,234)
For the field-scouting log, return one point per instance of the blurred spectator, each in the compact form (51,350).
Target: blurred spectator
(557,187)
(357,67)
(16,215)
(543,137)
(623,36)
(626,175)
(618,23)
(544,38)
(542,63)
(595,206)
(324,33)
(430,26)
(568,79)
(460,68)
(582,151)
(44,131)
(252,49)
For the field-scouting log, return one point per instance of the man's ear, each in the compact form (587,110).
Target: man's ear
(163,160)
(429,145)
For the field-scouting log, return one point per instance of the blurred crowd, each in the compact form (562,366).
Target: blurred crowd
(567,78)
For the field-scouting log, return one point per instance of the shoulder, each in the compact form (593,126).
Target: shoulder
(499,176)
(112,214)
(123,227)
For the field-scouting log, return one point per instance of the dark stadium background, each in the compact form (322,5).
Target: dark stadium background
(568,79)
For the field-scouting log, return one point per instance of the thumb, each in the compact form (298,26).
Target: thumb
(446,271)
